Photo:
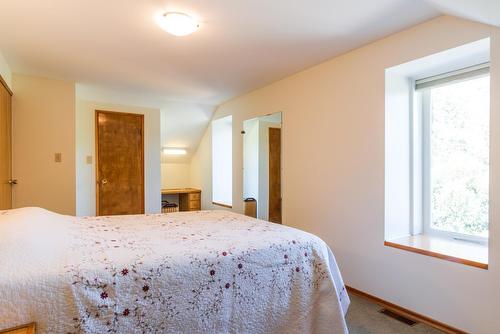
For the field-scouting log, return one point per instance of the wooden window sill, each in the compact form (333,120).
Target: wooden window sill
(464,252)
(223,205)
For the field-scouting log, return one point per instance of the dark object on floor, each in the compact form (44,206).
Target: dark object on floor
(168,207)
(398,317)
(165,204)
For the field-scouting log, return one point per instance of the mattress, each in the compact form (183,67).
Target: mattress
(186,272)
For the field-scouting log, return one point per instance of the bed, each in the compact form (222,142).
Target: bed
(187,272)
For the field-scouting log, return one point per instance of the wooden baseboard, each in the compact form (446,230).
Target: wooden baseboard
(407,313)
(23,329)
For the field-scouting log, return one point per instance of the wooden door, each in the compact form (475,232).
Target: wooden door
(119,163)
(275,175)
(5,147)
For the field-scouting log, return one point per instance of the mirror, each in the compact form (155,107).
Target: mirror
(262,160)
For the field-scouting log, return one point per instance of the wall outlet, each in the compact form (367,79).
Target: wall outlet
(58,157)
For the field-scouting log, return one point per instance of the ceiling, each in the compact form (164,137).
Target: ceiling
(114,48)
(241,45)
(484,11)
(190,122)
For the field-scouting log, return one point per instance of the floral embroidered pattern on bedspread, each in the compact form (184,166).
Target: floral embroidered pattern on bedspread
(209,271)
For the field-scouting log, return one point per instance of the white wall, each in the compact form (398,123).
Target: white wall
(397,156)
(85,146)
(333,177)
(5,71)
(222,150)
(43,112)
(201,170)
(175,175)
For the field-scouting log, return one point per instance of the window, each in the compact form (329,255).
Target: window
(222,161)
(455,154)
(437,145)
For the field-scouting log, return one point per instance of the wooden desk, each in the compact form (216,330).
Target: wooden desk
(189,198)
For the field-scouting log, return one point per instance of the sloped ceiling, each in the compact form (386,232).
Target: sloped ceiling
(115,47)
(484,11)
(185,124)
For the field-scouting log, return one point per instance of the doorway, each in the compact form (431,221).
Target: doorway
(263,167)
(119,163)
(6,181)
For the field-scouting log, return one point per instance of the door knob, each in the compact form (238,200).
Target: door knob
(104,181)
(12,182)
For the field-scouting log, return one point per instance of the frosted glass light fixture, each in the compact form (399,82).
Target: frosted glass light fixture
(177,24)
(174,151)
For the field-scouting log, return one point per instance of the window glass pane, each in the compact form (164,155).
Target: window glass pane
(459,156)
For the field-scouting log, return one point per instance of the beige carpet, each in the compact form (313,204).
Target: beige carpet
(364,317)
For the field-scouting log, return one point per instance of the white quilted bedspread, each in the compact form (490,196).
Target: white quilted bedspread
(201,272)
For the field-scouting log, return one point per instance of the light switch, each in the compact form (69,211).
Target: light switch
(57,157)
(89,160)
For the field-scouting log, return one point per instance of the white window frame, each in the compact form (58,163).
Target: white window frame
(424,104)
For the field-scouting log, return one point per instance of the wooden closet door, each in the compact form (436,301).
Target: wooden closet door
(275,175)
(5,147)
(120,163)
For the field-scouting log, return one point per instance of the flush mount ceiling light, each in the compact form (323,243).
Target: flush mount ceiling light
(174,151)
(177,24)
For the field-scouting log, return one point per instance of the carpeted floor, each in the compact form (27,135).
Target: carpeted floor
(364,317)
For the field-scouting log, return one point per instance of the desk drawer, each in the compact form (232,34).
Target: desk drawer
(194,205)
(194,197)
(190,200)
